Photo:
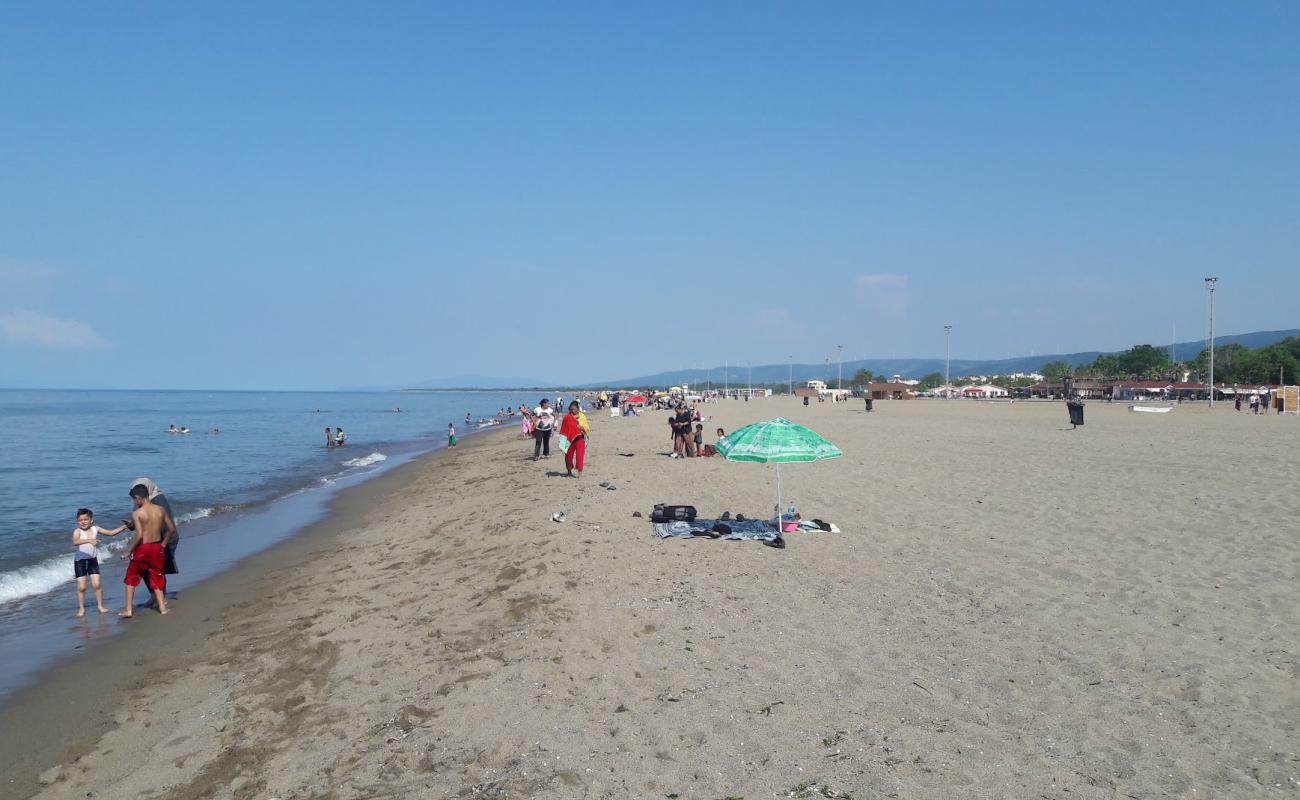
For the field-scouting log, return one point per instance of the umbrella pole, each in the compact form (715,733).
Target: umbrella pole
(778,497)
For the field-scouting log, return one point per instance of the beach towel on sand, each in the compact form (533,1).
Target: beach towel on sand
(750,530)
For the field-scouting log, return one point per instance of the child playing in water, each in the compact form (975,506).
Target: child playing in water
(451,434)
(85,558)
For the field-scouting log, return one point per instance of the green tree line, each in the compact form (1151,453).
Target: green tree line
(1233,363)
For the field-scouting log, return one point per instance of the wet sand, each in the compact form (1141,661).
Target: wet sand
(1013,609)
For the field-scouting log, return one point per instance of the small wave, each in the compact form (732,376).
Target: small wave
(365,461)
(47,575)
(196,514)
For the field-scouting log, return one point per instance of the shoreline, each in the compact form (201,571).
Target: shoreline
(37,720)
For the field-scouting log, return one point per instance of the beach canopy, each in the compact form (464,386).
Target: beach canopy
(777,441)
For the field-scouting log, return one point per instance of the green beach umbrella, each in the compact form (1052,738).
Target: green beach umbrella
(776,442)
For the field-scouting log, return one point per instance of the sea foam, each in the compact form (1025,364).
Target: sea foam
(47,575)
(365,461)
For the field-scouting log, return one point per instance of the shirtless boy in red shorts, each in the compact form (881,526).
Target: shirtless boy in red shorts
(153,530)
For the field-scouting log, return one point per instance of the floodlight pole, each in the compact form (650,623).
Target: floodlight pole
(947,354)
(1209,284)
(726,379)
(840,348)
(791,358)
(749,382)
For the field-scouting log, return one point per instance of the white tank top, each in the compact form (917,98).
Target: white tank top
(87,550)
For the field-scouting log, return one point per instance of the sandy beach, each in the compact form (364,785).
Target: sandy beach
(1011,609)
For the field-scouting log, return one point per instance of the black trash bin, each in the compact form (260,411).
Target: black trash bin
(1076,412)
(868,404)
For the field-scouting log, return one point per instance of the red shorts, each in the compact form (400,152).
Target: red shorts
(147,563)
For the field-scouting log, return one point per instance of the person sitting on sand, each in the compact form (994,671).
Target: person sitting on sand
(154,529)
(721,434)
(85,558)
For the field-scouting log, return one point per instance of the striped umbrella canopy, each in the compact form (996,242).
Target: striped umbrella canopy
(777,441)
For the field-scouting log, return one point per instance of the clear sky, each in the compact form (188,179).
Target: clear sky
(271,195)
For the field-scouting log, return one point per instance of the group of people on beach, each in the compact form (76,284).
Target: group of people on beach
(688,433)
(539,423)
(1259,404)
(151,551)
(335,437)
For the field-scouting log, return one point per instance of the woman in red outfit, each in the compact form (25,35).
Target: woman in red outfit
(572,429)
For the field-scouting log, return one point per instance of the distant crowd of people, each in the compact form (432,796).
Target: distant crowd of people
(1259,403)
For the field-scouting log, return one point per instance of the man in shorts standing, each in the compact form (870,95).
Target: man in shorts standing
(154,529)
(159,498)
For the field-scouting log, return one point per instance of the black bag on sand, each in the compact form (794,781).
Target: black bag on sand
(663,513)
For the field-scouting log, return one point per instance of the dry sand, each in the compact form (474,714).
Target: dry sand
(1013,609)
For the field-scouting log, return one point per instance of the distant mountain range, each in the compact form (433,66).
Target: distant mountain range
(911,367)
(780,373)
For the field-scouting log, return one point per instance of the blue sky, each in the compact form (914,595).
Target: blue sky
(320,195)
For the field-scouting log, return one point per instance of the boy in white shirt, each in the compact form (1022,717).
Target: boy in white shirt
(85,558)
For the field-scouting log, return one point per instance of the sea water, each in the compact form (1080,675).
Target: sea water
(253,469)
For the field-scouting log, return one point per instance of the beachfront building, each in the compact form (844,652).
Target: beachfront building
(887,391)
(984,391)
(1142,390)
(811,389)
(901,379)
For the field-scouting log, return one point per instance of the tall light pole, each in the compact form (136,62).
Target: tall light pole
(947,359)
(791,359)
(1209,284)
(749,381)
(840,348)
